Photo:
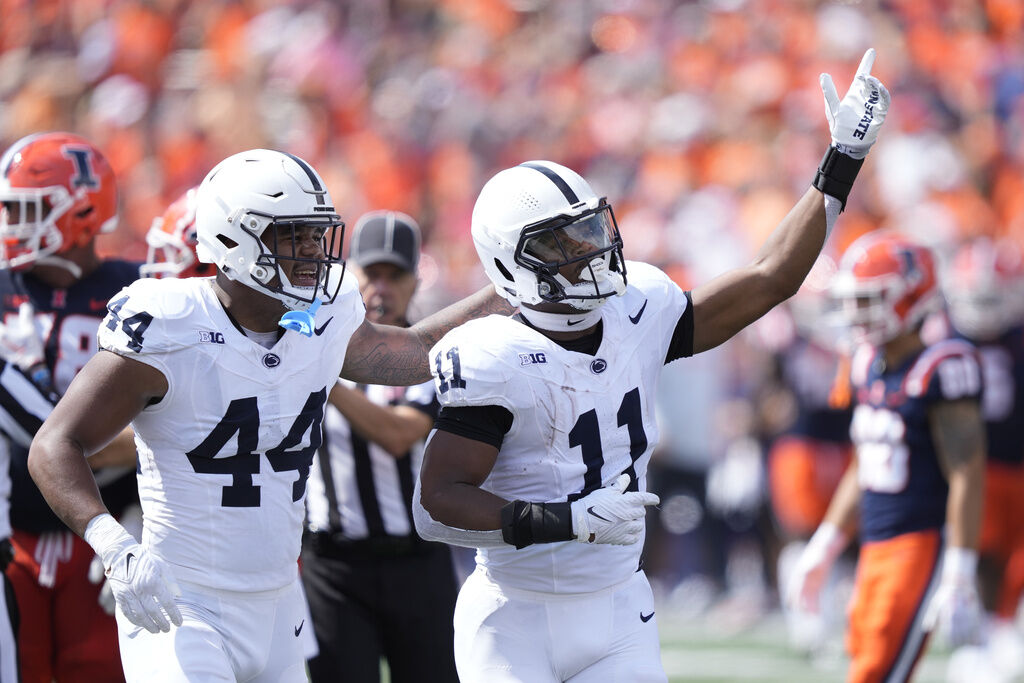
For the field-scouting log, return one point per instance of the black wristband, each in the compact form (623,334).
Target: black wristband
(836,174)
(524,524)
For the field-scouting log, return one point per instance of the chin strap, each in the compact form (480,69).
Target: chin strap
(59,262)
(561,322)
(301,321)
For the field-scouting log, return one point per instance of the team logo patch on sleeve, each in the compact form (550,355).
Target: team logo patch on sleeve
(532,358)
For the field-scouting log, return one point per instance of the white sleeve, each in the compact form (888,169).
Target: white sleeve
(832,209)
(431,530)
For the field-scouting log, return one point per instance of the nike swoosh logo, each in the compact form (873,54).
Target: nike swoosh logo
(570,323)
(636,318)
(298,629)
(128,564)
(320,330)
(591,511)
(647,618)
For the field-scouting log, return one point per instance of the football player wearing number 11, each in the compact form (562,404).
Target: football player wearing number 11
(225,379)
(540,454)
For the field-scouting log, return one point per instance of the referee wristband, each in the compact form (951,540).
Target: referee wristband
(524,524)
(836,174)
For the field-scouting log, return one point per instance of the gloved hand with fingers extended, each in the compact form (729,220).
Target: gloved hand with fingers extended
(855,120)
(611,514)
(955,610)
(131,520)
(141,583)
(811,570)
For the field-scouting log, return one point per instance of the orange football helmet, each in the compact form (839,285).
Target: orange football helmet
(984,286)
(172,242)
(886,285)
(56,191)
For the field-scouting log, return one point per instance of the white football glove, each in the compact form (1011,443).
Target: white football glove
(610,515)
(141,583)
(854,121)
(811,570)
(131,520)
(955,610)
(20,342)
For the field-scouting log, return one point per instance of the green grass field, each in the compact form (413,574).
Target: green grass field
(696,651)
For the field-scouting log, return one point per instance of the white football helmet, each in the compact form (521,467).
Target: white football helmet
(251,192)
(535,224)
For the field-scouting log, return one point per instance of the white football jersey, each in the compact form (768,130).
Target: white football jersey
(579,421)
(224,456)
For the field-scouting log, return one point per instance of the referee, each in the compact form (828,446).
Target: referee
(23,407)
(375,589)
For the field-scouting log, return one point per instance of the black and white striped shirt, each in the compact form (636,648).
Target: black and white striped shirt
(23,407)
(367,492)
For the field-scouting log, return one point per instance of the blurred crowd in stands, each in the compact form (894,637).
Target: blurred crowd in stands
(701,121)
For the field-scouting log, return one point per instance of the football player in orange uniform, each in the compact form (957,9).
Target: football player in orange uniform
(58,193)
(915,484)
(172,242)
(985,291)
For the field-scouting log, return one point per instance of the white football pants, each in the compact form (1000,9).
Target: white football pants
(226,636)
(505,635)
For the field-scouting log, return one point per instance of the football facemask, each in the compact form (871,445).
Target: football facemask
(577,259)
(306,247)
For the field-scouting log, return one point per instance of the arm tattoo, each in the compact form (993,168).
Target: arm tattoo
(379,354)
(958,433)
(485,302)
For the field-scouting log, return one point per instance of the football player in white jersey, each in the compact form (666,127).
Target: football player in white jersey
(539,457)
(225,379)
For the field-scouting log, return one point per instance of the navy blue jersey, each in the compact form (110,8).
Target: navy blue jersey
(1002,404)
(903,487)
(69,319)
(808,370)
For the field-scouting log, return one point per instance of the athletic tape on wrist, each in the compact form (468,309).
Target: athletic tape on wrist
(524,523)
(836,174)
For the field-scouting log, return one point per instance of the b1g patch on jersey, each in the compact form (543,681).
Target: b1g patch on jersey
(209,337)
(532,358)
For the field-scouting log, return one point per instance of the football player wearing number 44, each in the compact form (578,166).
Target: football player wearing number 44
(540,454)
(225,379)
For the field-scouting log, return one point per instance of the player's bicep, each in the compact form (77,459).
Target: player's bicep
(102,400)
(728,303)
(958,433)
(455,459)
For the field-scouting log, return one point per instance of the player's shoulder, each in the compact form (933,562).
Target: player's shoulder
(649,291)
(476,363)
(650,280)
(152,316)
(165,298)
(348,302)
(949,369)
(486,337)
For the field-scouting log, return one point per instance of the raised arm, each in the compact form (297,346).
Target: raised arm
(730,302)
(384,354)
